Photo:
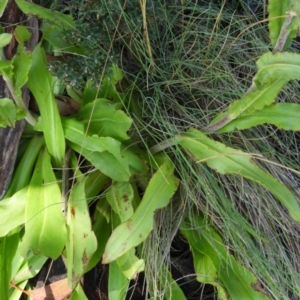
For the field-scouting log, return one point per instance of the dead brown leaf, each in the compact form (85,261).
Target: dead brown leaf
(58,290)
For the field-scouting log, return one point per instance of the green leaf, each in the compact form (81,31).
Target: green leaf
(12,212)
(130,264)
(102,230)
(273,67)
(81,243)
(29,267)
(40,83)
(5,38)
(103,152)
(120,197)
(3,4)
(53,33)
(54,16)
(102,118)
(161,188)
(227,160)
(253,101)
(117,283)
(212,257)
(22,34)
(8,247)
(23,171)
(8,113)
(168,286)
(78,294)
(279,12)
(45,230)
(21,65)
(6,69)
(283,115)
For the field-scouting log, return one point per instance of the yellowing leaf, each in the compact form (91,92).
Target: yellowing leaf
(58,290)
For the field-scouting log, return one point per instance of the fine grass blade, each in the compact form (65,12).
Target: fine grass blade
(134,231)
(40,83)
(221,268)
(45,229)
(81,243)
(226,160)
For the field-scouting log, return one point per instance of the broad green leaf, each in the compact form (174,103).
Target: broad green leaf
(78,294)
(23,171)
(277,10)
(12,212)
(22,34)
(54,16)
(273,67)
(31,266)
(6,69)
(226,160)
(94,184)
(161,188)
(102,230)
(45,230)
(135,157)
(75,133)
(17,294)
(283,115)
(81,243)
(3,4)
(256,100)
(103,152)
(5,38)
(211,255)
(8,113)
(90,92)
(102,118)
(168,286)
(107,163)
(117,283)
(40,83)
(53,33)
(108,88)
(130,265)
(8,247)
(120,196)
(21,64)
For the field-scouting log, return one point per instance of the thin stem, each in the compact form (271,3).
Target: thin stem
(284,33)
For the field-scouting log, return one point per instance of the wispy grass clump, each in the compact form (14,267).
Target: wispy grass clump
(203,59)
